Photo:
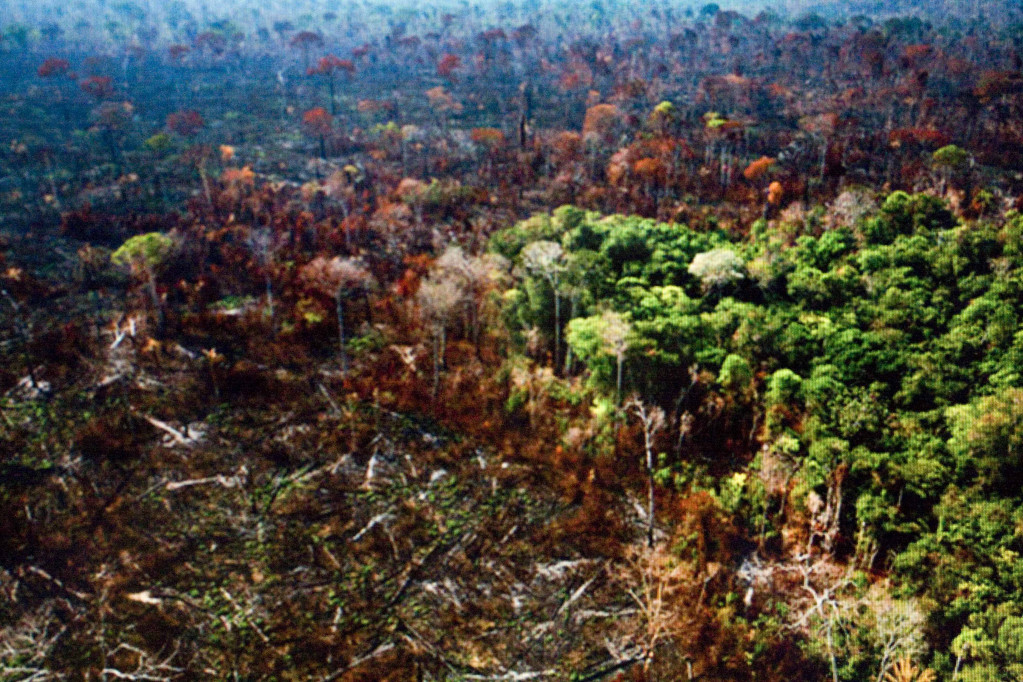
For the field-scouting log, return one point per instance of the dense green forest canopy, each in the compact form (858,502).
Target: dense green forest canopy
(887,349)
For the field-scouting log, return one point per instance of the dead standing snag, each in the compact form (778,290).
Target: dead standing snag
(338,278)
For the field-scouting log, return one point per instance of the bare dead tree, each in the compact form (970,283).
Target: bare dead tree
(546,259)
(148,667)
(264,249)
(439,299)
(26,644)
(822,612)
(338,277)
(476,275)
(652,420)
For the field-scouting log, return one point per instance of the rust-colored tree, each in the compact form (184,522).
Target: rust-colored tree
(111,120)
(328,67)
(756,172)
(413,192)
(447,65)
(775,193)
(442,102)
(601,122)
(99,87)
(306,41)
(490,141)
(53,67)
(758,169)
(187,123)
(318,123)
(59,71)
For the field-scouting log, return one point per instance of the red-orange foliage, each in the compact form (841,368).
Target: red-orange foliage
(775,192)
(663,147)
(186,122)
(730,88)
(417,267)
(373,106)
(821,124)
(601,120)
(239,176)
(928,137)
(99,87)
(758,168)
(408,284)
(730,126)
(997,83)
(618,167)
(392,218)
(650,170)
(491,138)
(570,81)
(441,100)
(577,74)
(411,190)
(914,52)
(711,532)
(331,64)
(631,89)
(318,121)
(649,160)
(447,65)
(567,146)
(53,66)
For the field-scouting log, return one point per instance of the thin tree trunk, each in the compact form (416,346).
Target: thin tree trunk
(436,362)
(557,322)
(443,345)
(154,296)
(831,651)
(824,161)
(206,185)
(618,379)
(650,494)
(568,348)
(341,331)
(648,426)
(270,301)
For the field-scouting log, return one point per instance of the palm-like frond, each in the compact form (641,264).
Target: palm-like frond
(905,670)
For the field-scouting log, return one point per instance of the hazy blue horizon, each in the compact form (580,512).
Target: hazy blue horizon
(310,12)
